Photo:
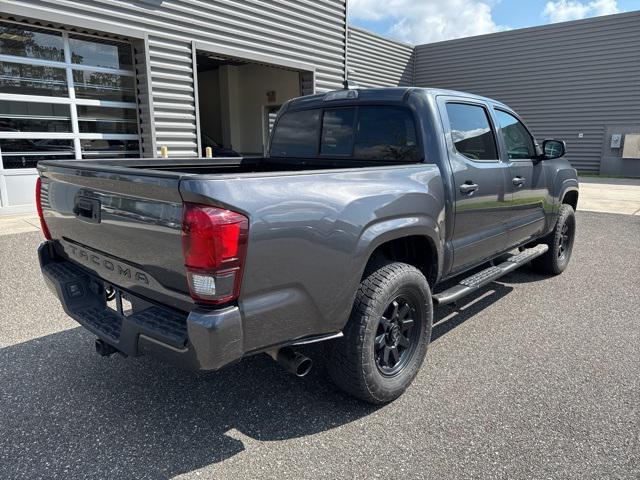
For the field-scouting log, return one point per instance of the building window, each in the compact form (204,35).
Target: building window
(34,117)
(64,96)
(26,152)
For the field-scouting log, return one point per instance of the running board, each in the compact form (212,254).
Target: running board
(480,279)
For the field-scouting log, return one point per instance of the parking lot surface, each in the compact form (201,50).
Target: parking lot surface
(532,377)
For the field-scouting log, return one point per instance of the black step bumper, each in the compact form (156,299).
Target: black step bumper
(200,340)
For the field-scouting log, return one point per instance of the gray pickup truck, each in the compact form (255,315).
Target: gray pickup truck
(367,201)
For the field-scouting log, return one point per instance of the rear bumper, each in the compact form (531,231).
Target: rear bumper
(201,340)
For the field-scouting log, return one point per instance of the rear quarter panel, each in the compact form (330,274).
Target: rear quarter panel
(311,235)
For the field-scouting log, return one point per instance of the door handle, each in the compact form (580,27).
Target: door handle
(87,209)
(518,181)
(468,188)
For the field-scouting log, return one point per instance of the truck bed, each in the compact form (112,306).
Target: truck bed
(213,166)
(126,215)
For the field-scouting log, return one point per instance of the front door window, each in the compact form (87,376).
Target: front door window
(516,136)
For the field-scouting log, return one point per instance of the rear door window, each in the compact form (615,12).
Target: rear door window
(471,131)
(297,134)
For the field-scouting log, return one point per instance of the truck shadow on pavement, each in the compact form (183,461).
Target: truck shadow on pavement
(65,412)
(448,317)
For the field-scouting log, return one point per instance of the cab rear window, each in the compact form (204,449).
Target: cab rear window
(376,133)
(296,134)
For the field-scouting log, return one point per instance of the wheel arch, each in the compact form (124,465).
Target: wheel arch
(415,241)
(570,197)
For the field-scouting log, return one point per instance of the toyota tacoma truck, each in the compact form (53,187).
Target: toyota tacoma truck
(343,233)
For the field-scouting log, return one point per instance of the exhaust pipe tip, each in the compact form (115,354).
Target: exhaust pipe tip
(104,349)
(303,366)
(292,361)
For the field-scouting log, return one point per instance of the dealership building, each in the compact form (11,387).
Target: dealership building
(120,78)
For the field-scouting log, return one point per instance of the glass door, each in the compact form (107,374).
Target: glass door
(62,96)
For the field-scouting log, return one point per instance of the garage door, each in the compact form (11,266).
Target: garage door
(63,96)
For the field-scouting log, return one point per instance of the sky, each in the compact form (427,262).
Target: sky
(425,21)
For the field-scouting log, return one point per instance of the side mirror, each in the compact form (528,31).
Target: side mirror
(553,149)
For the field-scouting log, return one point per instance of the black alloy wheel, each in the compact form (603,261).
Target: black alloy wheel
(397,336)
(560,242)
(565,240)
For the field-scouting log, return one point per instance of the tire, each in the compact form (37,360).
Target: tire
(393,301)
(560,242)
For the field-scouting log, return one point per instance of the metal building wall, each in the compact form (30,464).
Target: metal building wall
(302,31)
(564,79)
(375,61)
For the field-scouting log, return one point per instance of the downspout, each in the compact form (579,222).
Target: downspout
(414,56)
(346,42)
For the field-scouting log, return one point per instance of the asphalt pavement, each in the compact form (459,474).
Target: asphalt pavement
(532,377)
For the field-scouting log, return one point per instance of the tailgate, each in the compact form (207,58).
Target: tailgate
(122,225)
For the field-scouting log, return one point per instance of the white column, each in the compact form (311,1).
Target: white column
(72,95)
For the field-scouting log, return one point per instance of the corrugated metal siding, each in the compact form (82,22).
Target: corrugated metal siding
(375,61)
(172,91)
(307,31)
(564,79)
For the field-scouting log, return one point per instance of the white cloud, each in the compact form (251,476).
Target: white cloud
(565,10)
(424,21)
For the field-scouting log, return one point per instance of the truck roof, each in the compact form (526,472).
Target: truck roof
(391,94)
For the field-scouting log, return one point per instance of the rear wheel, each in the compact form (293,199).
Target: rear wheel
(386,338)
(560,242)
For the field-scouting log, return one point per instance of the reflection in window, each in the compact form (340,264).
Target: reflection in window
(337,131)
(296,134)
(99,52)
(93,119)
(25,41)
(25,79)
(519,142)
(96,66)
(102,148)
(386,133)
(104,86)
(471,131)
(25,153)
(34,117)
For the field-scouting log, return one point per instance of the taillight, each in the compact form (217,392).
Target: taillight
(43,224)
(214,245)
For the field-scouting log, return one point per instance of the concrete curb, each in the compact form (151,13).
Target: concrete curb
(610,195)
(12,224)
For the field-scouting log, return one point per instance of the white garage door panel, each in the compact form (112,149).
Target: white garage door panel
(20,188)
